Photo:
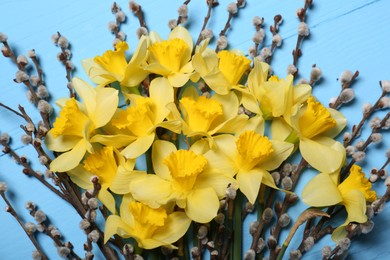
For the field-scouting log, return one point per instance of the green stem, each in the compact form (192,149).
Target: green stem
(237,240)
(149,163)
(282,251)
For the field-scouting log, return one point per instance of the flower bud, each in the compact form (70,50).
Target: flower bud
(3,187)
(63,42)
(202,232)
(385,85)
(3,37)
(94,236)
(250,255)
(347,95)
(284,220)
(295,254)
(257,21)
(346,76)
(222,42)
(183,10)
(268,214)
(315,74)
(367,227)
(232,8)
(303,29)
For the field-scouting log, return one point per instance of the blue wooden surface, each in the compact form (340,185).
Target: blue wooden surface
(350,35)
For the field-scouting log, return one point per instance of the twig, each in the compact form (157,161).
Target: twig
(297,52)
(338,103)
(180,18)
(12,110)
(274,30)
(137,10)
(356,129)
(205,21)
(29,171)
(30,235)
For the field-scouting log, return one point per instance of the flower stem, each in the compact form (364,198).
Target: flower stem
(237,245)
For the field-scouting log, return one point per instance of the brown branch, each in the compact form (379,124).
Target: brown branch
(30,235)
(29,171)
(205,21)
(338,103)
(12,110)
(180,18)
(356,129)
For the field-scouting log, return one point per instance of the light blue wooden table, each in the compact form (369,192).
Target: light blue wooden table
(351,35)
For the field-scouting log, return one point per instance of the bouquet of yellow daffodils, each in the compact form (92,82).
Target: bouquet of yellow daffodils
(217,132)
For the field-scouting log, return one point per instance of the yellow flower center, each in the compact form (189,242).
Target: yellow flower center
(102,164)
(146,219)
(233,66)
(252,149)
(138,119)
(71,120)
(114,61)
(201,113)
(169,53)
(357,181)
(184,166)
(315,120)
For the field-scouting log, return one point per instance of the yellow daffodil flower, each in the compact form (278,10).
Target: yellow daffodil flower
(171,58)
(313,127)
(182,177)
(112,66)
(113,170)
(249,157)
(277,97)
(222,72)
(205,117)
(352,193)
(150,227)
(134,129)
(76,124)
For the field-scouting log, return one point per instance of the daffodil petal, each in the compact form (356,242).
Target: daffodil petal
(61,143)
(250,102)
(174,228)
(86,93)
(280,130)
(139,146)
(161,93)
(230,105)
(69,160)
(158,69)
(231,126)
(151,190)
(341,122)
(219,180)
(321,191)
(249,183)
(116,141)
(322,156)
(355,204)
(121,182)
(96,73)
(172,125)
(106,105)
(81,177)
(178,79)
(113,223)
(107,199)
(340,232)
(160,151)
(282,151)
(202,205)
(217,82)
